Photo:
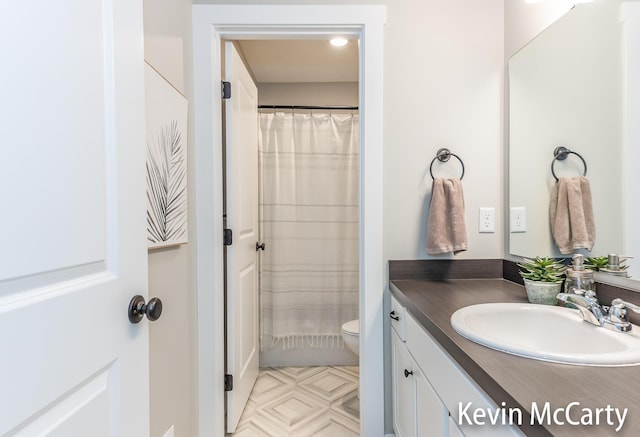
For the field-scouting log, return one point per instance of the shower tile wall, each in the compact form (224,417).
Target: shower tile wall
(301,402)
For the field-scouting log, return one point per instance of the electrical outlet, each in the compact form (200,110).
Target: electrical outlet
(518,219)
(487,220)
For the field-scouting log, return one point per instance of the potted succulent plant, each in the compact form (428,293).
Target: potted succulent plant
(543,279)
(596,263)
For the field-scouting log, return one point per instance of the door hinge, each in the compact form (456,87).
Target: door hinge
(226,90)
(228,237)
(228,382)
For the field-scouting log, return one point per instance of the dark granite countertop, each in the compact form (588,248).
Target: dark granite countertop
(518,381)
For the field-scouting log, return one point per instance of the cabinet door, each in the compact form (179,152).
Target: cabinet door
(454,430)
(404,394)
(431,414)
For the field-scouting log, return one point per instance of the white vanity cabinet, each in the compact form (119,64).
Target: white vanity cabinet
(417,410)
(427,397)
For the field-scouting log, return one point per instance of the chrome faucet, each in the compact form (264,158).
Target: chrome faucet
(587,303)
(613,317)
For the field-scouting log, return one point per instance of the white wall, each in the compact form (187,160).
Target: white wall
(443,88)
(523,21)
(316,94)
(167,29)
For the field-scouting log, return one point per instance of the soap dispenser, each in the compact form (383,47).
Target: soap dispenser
(579,278)
(616,265)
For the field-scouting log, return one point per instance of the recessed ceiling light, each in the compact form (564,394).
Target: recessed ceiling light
(338,42)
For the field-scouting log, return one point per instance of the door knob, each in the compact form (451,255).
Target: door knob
(259,246)
(407,373)
(138,309)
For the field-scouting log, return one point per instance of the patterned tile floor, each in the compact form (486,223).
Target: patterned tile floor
(303,402)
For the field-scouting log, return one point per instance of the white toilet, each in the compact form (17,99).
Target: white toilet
(351,335)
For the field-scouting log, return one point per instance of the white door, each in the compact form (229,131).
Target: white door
(72,238)
(241,112)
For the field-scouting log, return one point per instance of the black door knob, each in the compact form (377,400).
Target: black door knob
(138,309)
(407,373)
(259,246)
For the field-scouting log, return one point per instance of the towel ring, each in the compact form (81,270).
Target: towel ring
(560,153)
(443,155)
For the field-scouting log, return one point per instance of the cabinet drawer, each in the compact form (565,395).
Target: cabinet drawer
(450,381)
(398,315)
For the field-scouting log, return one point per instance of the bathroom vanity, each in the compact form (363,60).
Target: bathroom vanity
(445,371)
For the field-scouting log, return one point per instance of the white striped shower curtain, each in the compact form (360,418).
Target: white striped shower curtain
(309,218)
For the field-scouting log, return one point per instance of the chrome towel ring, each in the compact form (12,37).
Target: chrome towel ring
(443,155)
(560,153)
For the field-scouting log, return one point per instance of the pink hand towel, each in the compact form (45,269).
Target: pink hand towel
(571,214)
(446,230)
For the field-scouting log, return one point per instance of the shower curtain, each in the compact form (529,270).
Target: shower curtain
(309,219)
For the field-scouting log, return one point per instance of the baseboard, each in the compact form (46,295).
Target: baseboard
(278,357)
(390,435)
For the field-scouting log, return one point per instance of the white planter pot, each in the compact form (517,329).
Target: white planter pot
(542,292)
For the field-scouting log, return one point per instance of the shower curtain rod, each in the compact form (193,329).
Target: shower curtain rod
(348,108)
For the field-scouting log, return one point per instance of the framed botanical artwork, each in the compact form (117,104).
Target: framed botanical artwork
(166,137)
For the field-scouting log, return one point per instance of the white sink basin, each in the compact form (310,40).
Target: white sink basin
(547,333)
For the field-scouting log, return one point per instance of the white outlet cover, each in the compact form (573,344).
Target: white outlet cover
(518,219)
(487,220)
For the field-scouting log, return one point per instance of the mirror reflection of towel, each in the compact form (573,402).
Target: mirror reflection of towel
(571,214)
(446,230)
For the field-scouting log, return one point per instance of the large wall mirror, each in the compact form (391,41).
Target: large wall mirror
(571,87)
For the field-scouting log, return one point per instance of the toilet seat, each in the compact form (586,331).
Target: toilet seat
(352,327)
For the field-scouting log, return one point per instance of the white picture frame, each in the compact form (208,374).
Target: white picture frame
(166,172)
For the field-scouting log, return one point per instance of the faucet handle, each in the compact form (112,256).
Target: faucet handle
(618,311)
(583,292)
(621,304)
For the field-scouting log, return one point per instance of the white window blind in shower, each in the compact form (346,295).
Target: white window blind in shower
(309,224)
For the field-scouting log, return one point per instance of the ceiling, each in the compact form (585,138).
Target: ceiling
(309,60)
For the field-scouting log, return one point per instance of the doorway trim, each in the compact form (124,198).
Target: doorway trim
(212,24)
